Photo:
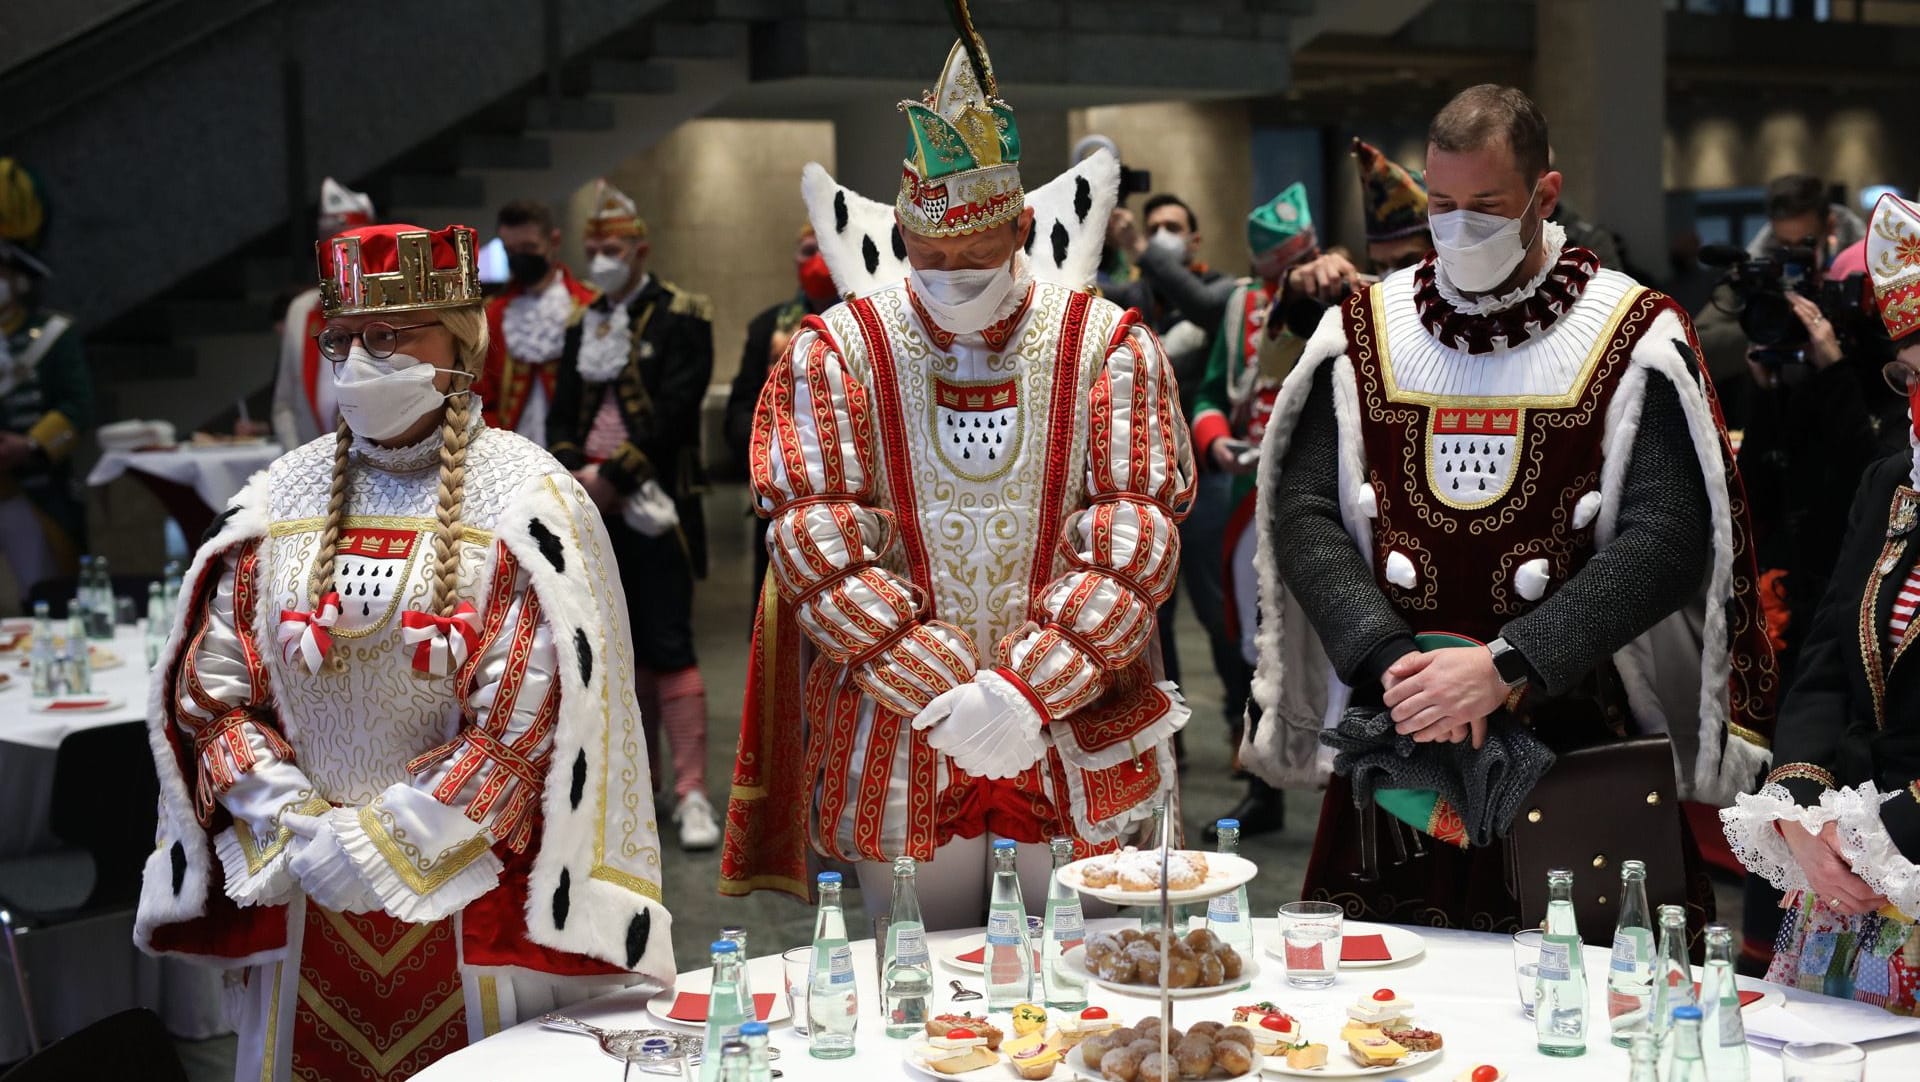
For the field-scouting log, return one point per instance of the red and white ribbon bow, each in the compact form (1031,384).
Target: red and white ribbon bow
(441,643)
(305,634)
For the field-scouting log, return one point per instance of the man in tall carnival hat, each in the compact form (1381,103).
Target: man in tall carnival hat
(626,420)
(403,780)
(974,470)
(1514,454)
(46,397)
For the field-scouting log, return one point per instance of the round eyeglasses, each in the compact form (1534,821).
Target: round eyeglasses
(381,339)
(1900,377)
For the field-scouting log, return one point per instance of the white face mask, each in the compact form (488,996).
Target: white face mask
(1480,250)
(963,301)
(607,273)
(378,401)
(1168,241)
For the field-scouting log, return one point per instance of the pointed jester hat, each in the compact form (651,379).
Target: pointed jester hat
(962,170)
(1396,198)
(1280,231)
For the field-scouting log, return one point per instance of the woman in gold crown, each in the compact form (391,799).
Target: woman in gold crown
(387,718)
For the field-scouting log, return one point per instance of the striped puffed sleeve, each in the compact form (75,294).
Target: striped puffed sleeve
(811,458)
(1123,546)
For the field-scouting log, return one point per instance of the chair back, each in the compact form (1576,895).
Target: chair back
(131,1044)
(106,801)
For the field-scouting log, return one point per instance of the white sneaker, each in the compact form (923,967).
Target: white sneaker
(694,817)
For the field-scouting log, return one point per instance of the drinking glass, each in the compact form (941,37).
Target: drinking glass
(1822,1061)
(1310,941)
(797,965)
(1526,965)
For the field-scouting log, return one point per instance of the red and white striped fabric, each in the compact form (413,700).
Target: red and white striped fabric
(441,644)
(1904,607)
(306,635)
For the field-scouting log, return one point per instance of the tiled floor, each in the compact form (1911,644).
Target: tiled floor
(777,922)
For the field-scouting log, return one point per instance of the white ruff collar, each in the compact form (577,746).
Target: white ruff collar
(535,327)
(1556,241)
(605,343)
(415,456)
(1913,471)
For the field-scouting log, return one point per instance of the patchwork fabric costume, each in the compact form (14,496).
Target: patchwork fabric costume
(402,828)
(944,504)
(1847,760)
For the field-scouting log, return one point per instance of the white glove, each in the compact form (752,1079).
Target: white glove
(324,870)
(937,710)
(990,729)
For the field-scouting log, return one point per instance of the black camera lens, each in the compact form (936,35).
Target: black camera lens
(1768,320)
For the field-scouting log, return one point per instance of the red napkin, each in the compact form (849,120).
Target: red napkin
(976,956)
(692,1006)
(1747,998)
(1364,948)
(76,704)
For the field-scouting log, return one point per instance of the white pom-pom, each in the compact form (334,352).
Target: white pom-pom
(1367,501)
(1586,510)
(1531,579)
(1400,570)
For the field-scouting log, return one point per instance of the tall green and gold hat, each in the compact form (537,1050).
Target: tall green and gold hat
(962,170)
(1396,198)
(1280,231)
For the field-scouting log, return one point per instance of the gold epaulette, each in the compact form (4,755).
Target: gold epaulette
(697,305)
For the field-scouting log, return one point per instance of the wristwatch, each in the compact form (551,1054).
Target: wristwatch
(1508,663)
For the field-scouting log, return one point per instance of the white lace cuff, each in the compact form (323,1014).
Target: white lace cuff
(1756,841)
(1868,847)
(327,874)
(422,859)
(256,874)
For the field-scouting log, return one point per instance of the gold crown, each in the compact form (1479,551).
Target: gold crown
(388,269)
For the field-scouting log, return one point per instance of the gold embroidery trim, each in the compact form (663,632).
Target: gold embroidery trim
(1803,772)
(267,1056)
(489,1005)
(1571,397)
(381,962)
(1748,735)
(423,877)
(381,1062)
(472,535)
(258,857)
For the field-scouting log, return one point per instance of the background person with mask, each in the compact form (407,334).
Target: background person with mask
(383,762)
(626,421)
(767,337)
(528,321)
(46,398)
(1519,525)
(981,614)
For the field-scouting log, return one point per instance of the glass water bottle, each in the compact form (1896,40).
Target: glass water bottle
(1009,961)
(1630,973)
(906,988)
(833,1001)
(1062,929)
(1560,989)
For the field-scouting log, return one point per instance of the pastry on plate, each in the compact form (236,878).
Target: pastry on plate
(1382,1008)
(1412,1038)
(1377,1050)
(1092,1022)
(1028,1018)
(1273,1029)
(1307,1057)
(1033,1055)
(959,1051)
(943,1024)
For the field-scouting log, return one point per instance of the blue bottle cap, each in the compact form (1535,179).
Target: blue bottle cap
(1686,1013)
(753,1029)
(1227,824)
(1005,843)
(724,946)
(828,877)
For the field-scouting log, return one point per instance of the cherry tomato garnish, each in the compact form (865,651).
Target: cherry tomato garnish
(1279,1022)
(962,1035)
(1385,995)
(1094,1014)
(1486,1072)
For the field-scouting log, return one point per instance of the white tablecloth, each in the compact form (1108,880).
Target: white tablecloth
(1462,987)
(82,973)
(215,472)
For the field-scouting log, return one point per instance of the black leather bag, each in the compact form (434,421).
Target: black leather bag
(1597,807)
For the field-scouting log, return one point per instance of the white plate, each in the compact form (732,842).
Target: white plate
(1075,961)
(950,957)
(999,1071)
(1340,1064)
(1077,1063)
(1402,944)
(1225,872)
(766,977)
(96,704)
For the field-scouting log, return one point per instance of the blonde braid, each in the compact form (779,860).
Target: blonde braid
(322,579)
(469,330)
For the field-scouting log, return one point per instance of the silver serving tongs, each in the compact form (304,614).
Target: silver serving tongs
(621,1043)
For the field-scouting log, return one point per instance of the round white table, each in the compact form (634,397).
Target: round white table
(1463,987)
(213,471)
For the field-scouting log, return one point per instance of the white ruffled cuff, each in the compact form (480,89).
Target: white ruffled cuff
(1756,841)
(327,874)
(422,859)
(256,876)
(1869,849)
